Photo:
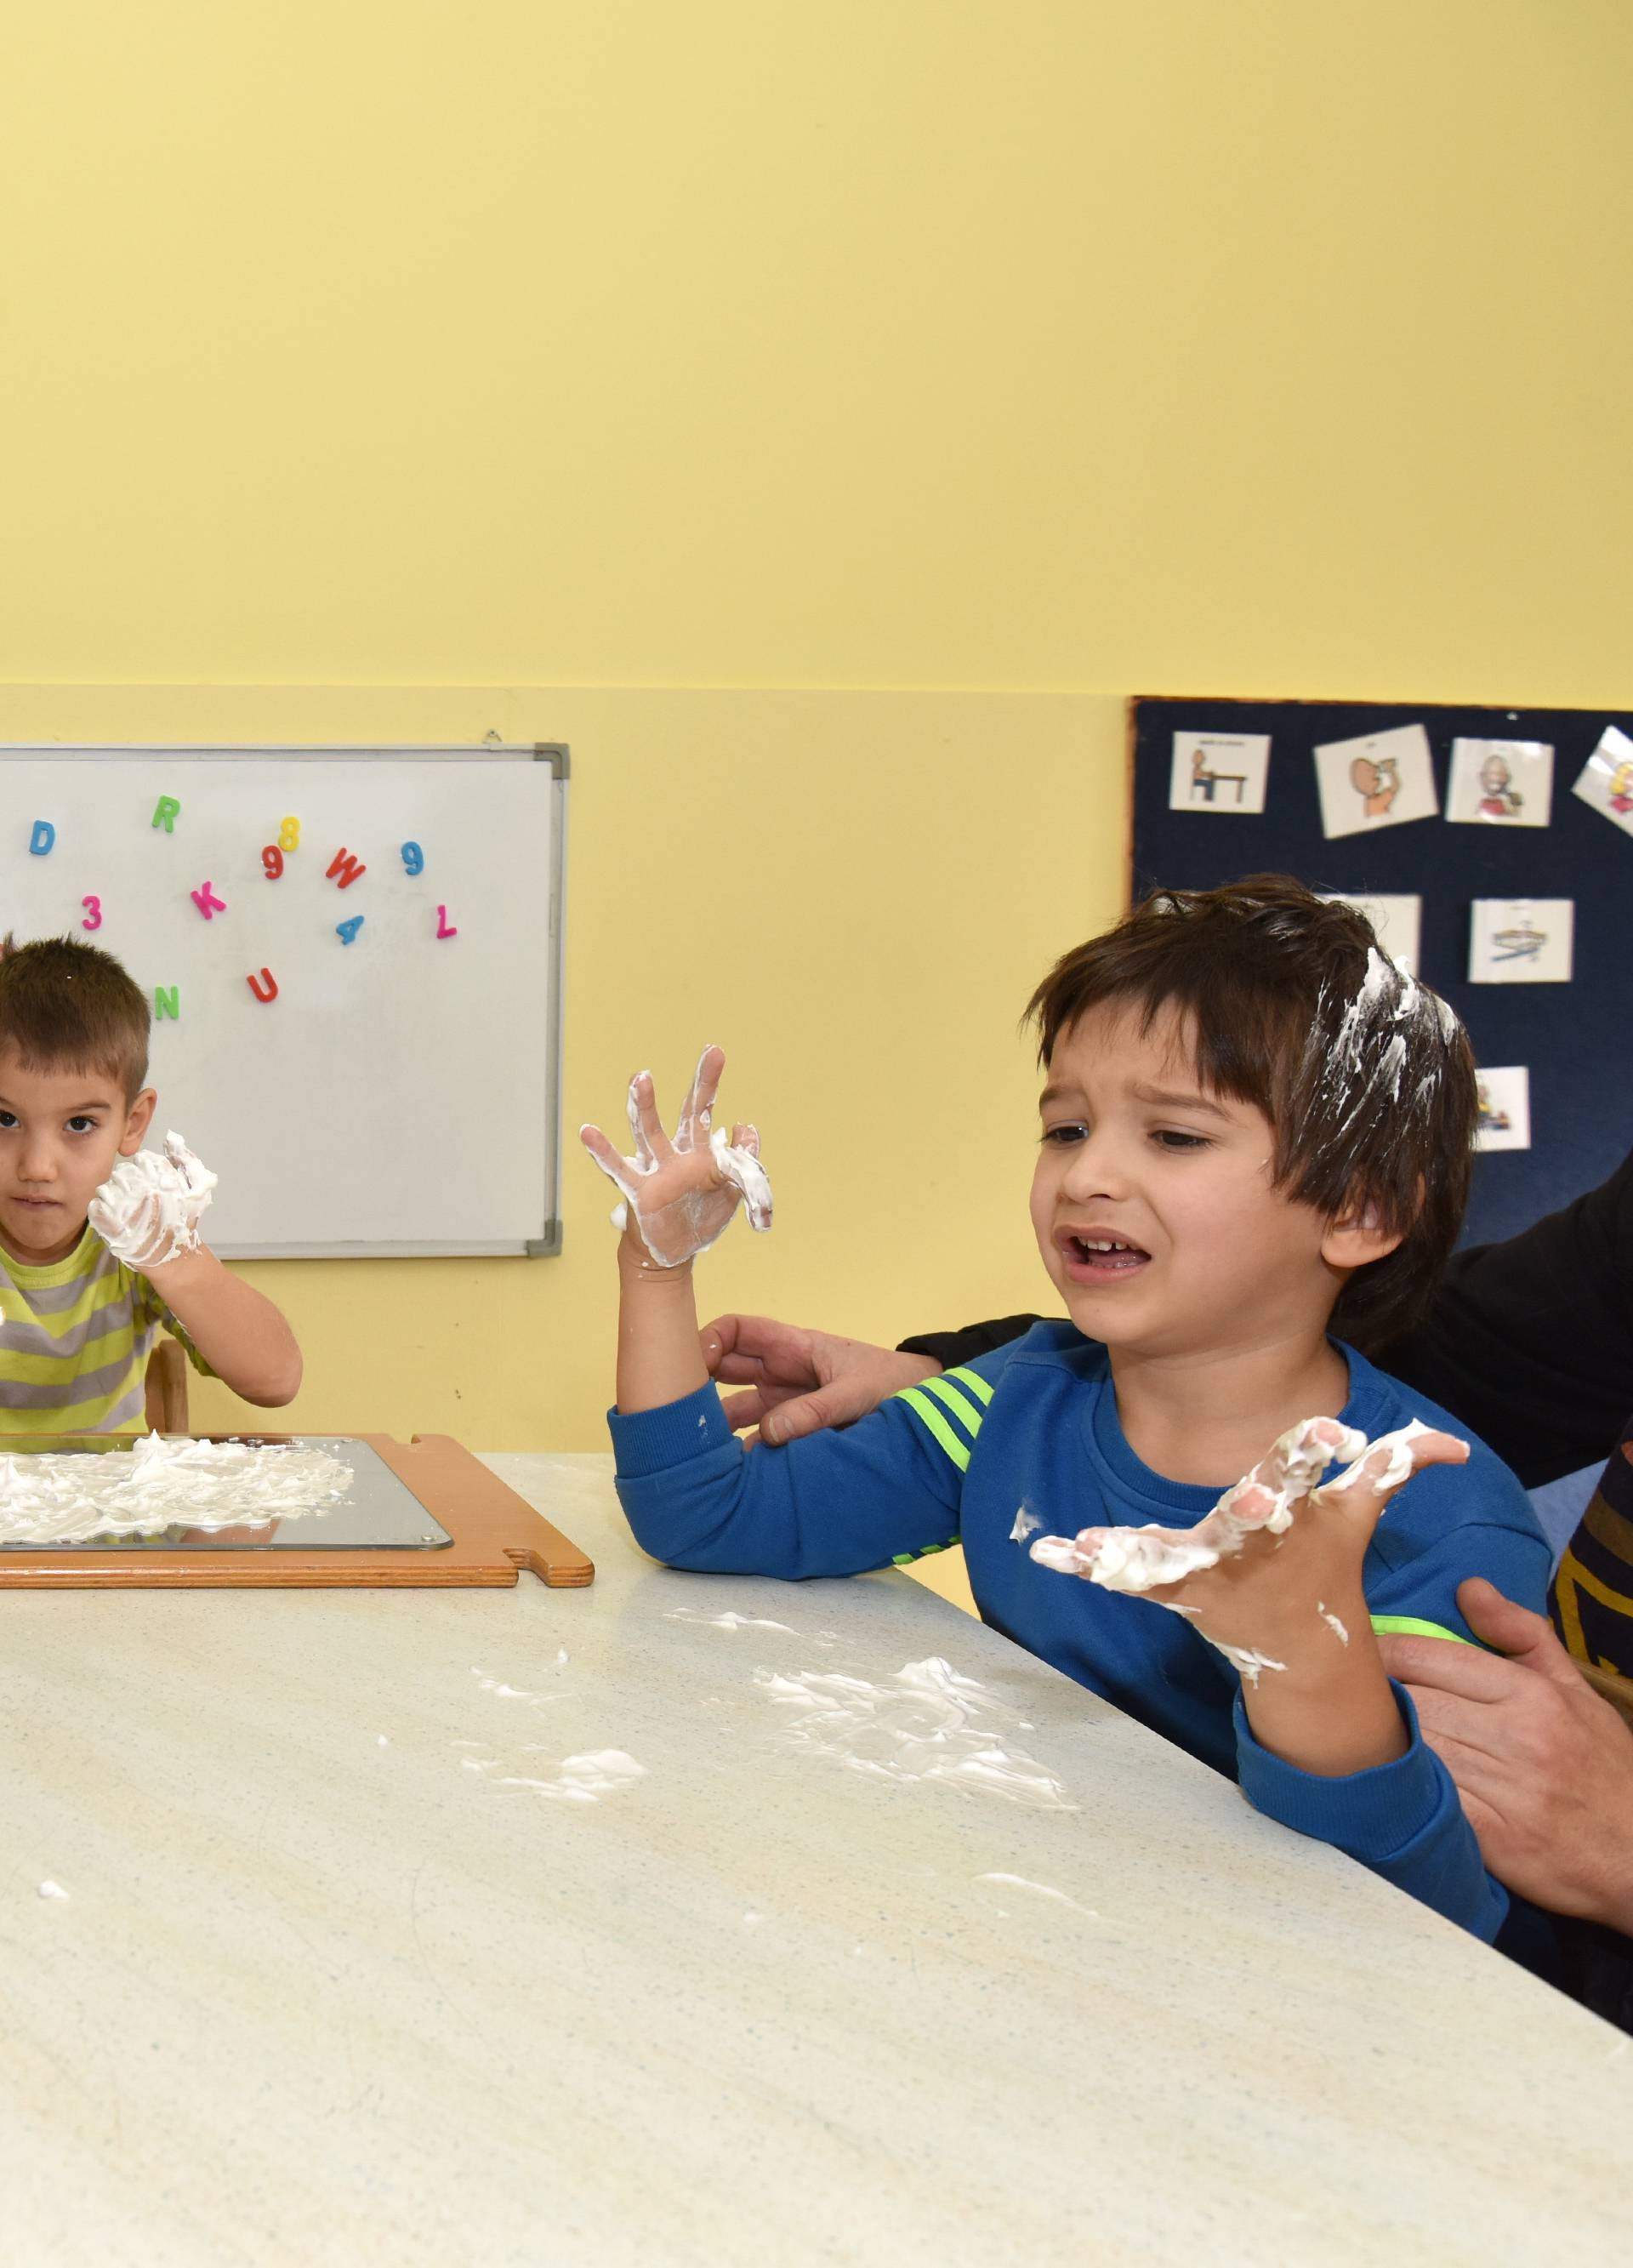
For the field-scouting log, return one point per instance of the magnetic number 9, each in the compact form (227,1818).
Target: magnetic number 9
(272,859)
(414,858)
(289,835)
(93,913)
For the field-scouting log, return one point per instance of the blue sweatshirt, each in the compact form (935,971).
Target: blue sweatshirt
(1034,1427)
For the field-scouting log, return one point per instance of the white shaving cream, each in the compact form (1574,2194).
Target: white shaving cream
(70,1496)
(926,1724)
(148,1210)
(1143,1559)
(1247,1659)
(1387,1052)
(688,1225)
(727,1622)
(1037,1889)
(575,1780)
(1147,1558)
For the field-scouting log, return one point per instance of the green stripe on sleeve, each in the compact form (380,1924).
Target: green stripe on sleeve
(936,1424)
(968,1417)
(1409,1626)
(906,1558)
(973,1379)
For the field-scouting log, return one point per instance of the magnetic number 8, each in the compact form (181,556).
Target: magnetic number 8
(289,835)
(272,859)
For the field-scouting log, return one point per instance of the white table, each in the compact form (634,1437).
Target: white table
(327,1981)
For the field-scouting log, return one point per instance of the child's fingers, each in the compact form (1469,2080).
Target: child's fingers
(632,1111)
(1288,1473)
(1068,1555)
(651,1144)
(1129,1558)
(696,1112)
(615,1167)
(743,1169)
(1250,1503)
(1390,1462)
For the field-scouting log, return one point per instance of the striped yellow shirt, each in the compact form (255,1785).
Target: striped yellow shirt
(75,1338)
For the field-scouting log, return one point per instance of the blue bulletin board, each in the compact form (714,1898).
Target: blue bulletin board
(1576,1038)
(353,959)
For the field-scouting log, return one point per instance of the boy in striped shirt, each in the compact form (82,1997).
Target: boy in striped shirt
(98,1239)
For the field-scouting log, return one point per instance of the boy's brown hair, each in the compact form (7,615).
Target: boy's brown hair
(68,1005)
(1366,1077)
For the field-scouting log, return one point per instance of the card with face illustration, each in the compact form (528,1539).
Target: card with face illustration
(1381,779)
(1606,781)
(1500,783)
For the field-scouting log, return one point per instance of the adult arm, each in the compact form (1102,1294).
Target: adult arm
(1544,1766)
(795,1382)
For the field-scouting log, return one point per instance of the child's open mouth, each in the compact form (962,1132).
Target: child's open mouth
(1100,1259)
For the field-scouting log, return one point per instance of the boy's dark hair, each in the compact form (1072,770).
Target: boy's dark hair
(1366,1077)
(67,1005)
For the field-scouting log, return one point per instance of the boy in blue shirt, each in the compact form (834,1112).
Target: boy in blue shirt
(1255,1131)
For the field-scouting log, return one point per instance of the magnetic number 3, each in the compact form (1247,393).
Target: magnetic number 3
(93,913)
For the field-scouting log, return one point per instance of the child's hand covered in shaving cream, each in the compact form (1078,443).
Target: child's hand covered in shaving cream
(1273,1574)
(147,1211)
(681,1194)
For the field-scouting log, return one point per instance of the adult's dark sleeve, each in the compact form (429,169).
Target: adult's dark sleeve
(1530,1342)
(950,1347)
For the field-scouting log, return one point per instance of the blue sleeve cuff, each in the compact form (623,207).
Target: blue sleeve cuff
(1372,1815)
(657,1440)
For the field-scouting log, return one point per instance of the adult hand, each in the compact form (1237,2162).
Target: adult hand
(1544,1766)
(800,1380)
(680,1195)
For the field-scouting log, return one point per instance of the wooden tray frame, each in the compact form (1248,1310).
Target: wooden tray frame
(496,1534)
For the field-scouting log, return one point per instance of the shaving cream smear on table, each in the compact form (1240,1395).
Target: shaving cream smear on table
(927,1723)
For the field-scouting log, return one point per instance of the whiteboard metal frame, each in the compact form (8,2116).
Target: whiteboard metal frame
(558,756)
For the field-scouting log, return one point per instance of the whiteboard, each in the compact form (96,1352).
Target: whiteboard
(398,1092)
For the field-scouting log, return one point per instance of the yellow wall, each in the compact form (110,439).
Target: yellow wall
(1059,350)
(797,875)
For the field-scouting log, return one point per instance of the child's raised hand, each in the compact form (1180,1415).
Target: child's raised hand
(1270,1573)
(681,1193)
(147,1211)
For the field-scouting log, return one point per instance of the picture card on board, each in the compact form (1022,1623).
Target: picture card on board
(1397,921)
(1221,772)
(1500,783)
(1382,779)
(1520,941)
(1606,781)
(1504,1120)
